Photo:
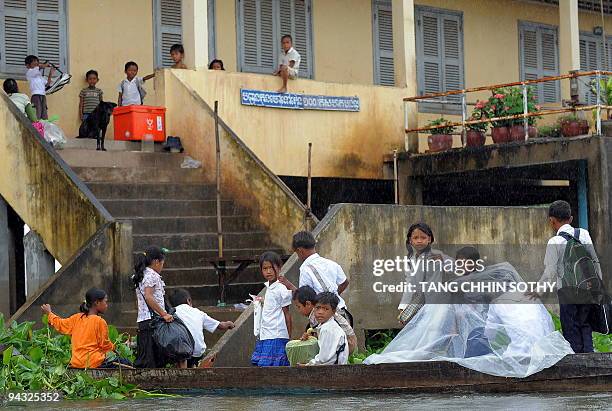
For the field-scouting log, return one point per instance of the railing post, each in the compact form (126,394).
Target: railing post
(463,118)
(406,143)
(525,112)
(598,111)
(395,182)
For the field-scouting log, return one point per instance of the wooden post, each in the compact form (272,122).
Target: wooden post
(309,188)
(218,166)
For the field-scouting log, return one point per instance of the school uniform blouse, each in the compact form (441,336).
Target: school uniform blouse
(330,272)
(89,338)
(331,337)
(152,279)
(272,318)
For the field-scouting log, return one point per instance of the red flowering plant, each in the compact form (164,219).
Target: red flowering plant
(479,113)
(508,101)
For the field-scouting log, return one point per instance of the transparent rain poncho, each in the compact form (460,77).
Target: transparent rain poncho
(498,334)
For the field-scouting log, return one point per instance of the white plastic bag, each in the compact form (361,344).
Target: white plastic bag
(54,134)
(257,309)
(189,162)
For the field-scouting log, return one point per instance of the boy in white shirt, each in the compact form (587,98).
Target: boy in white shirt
(333,348)
(38,85)
(131,89)
(288,62)
(196,321)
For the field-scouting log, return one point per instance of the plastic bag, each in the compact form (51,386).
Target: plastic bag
(300,352)
(257,309)
(54,134)
(189,162)
(173,339)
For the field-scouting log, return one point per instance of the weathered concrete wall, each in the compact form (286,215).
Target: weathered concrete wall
(344,144)
(355,235)
(93,265)
(244,177)
(42,189)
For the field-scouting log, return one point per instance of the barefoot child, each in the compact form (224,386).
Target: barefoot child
(38,85)
(196,320)
(177,54)
(90,96)
(88,331)
(275,318)
(289,62)
(131,89)
(332,340)
(305,299)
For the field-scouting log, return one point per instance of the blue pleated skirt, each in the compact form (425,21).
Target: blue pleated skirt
(270,353)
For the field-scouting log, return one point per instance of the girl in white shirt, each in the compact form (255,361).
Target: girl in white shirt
(275,317)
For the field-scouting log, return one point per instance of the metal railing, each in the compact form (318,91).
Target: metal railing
(576,105)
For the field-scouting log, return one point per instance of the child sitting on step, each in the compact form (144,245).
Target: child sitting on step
(196,321)
(332,339)
(275,317)
(305,299)
(88,332)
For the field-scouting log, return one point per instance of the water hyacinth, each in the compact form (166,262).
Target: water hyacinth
(37,360)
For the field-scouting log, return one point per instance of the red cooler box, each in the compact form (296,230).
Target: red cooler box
(135,122)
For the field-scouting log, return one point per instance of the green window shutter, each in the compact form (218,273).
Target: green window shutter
(384,69)
(294,19)
(439,56)
(539,57)
(16,40)
(169,30)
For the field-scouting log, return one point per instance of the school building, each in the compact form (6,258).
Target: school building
(348,48)
(92,211)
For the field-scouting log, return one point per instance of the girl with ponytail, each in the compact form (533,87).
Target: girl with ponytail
(88,331)
(150,291)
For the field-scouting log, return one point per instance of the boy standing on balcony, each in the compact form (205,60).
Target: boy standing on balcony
(289,62)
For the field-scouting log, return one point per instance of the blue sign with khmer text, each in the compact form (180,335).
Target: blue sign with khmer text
(293,101)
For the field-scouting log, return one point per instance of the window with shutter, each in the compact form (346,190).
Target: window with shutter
(439,57)
(212,29)
(32,27)
(169,30)
(590,59)
(539,54)
(261,24)
(384,72)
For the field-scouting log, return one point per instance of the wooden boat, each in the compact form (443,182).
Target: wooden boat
(575,373)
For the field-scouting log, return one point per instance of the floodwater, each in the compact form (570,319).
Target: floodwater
(239,400)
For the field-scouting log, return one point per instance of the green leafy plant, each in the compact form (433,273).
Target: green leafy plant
(605,91)
(568,118)
(479,113)
(34,360)
(376,342)
(549,131)
(508,101)
(444,126)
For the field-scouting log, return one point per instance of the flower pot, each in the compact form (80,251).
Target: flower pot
(584,127)
(570,128)
(532,131)
(517,133)
(500,134)
(440,142)
(475,138)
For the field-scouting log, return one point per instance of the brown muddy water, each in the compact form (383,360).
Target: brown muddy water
(252,401)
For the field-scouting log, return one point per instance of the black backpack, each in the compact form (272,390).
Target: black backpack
(580,281)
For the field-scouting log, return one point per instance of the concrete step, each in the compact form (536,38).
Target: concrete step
(92,158)
(170,191)
(209,294)
(183,241)
(207,275)
(197,258)
(109,144)
(196,224)
(167,208)
(141,175)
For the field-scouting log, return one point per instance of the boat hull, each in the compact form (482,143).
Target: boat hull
(579,372)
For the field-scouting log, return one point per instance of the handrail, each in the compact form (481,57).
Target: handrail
(515,83)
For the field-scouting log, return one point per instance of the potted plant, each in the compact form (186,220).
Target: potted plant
(550,131)
(441,138)
(605,97)
(572,126)
(475,135)
(508,101)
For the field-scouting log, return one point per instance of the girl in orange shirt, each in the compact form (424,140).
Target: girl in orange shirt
(88,331)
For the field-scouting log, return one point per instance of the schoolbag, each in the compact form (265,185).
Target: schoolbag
(580,281)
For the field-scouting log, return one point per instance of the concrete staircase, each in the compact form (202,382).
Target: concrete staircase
(171,207)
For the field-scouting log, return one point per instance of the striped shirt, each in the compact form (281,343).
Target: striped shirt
(92,96)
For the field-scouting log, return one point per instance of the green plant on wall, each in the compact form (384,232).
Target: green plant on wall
(443,126)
